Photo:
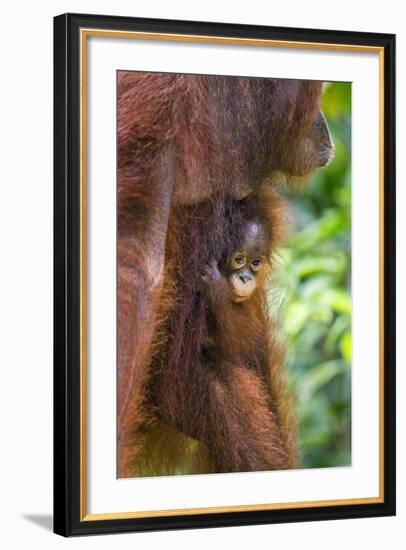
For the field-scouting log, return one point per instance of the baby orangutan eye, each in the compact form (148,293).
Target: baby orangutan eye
(238,261)
(256,264)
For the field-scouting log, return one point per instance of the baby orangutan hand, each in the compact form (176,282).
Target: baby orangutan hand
(211,273)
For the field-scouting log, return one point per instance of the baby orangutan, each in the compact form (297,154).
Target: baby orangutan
(235,288)
(228,393)
(239,350)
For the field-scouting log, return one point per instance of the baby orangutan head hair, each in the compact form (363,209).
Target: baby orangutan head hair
(247,265)
(253,234)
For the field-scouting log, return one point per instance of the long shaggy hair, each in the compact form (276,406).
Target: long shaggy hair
(196,157)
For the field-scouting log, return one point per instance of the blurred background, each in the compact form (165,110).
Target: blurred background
(313,288)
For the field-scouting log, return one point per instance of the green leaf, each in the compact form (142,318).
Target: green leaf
(320,375)
(295,317)
(346,347)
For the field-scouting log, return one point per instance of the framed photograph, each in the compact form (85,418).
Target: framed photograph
(224,274)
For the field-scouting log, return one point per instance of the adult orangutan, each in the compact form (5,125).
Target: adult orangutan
(198,162)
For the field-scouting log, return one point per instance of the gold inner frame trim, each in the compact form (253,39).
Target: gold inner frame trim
(174,37)
(84,34)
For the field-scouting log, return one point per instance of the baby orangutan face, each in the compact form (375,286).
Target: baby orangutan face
(243,278)
(247,265)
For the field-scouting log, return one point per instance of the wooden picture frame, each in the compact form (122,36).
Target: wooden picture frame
(71,469)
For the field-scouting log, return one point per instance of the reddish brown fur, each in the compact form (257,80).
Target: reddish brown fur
(189,149)
(223,396)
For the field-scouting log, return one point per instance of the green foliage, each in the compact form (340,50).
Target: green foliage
(313,286)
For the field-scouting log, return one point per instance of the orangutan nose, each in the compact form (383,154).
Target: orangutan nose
(245,278)
(325,147)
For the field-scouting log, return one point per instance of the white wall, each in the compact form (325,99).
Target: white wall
(26,270)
